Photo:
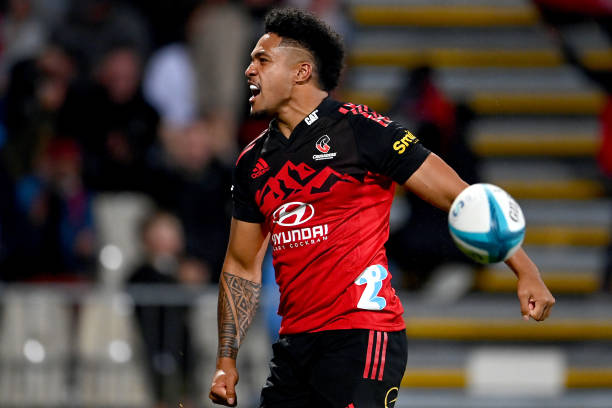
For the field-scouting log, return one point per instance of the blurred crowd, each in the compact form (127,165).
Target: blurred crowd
(149,97)
(108,96)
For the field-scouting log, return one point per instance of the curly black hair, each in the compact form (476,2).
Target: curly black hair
(315,36)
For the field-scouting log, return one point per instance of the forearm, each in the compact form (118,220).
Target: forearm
(522,265)
(238,299)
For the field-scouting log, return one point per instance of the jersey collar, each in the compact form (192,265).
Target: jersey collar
(325,108)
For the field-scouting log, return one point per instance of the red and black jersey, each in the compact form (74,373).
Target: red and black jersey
(324,194)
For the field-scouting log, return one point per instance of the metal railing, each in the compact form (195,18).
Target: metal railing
(141,346)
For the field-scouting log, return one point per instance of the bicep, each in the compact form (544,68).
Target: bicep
(246,249)
(436,182)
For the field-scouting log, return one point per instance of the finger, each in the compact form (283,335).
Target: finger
(538,310)
(524,302)
(231,391)
(546,311)
(216,399)
(218,394)
(549,309)
(549,306)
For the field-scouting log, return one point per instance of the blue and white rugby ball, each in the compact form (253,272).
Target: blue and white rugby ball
(486,223)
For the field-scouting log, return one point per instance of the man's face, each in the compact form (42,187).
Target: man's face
(271,74)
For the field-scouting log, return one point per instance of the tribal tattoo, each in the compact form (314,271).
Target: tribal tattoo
(238,298)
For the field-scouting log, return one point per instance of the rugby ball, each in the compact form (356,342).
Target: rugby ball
(486,223)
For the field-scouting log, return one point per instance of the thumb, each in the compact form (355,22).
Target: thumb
(230,388)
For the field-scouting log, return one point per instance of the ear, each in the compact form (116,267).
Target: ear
(303,72)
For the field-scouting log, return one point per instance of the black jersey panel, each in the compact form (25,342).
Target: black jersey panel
(388,149)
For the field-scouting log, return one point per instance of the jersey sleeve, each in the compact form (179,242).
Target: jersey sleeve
(245,208)
(388,148)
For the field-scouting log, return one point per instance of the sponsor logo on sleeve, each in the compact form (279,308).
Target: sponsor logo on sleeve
(401,145)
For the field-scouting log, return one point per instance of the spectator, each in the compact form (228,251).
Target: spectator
(113,123)
(164,328)
(193,184)
(186,172)
(92,27)
(58,240)
(35,96)
(168,19)
(170,86)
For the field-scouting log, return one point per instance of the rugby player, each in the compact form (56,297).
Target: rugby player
(318,185)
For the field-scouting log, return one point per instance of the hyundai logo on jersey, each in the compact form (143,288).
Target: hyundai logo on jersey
(294,213)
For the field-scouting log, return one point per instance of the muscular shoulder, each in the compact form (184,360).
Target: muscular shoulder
(375,131)
(361,116)
(385,146)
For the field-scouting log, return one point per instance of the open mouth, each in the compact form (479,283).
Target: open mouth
(254,92)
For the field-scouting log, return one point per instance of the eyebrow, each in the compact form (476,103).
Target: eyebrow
(258,53)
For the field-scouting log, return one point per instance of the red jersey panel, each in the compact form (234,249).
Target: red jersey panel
(325,195)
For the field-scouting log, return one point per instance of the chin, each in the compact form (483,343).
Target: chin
(259,113)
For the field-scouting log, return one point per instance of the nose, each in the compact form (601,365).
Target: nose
(250,71)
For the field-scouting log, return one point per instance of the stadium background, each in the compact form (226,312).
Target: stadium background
(119,123)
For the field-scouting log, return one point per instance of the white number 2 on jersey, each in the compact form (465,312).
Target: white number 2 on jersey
(372,277)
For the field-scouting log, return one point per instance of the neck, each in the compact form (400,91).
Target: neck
(298,107)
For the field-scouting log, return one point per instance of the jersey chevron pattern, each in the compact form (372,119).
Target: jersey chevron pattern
(324,195)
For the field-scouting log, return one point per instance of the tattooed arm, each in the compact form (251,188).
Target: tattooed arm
(238,298)
(239,289)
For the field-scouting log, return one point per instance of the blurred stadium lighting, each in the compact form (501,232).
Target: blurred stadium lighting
(34,351)
(119,351)
(111,257)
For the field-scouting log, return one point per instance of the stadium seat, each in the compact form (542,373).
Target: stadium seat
(110,369)
(117,217)
(34,348)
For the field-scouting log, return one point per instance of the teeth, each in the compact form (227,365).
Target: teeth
(253,87)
